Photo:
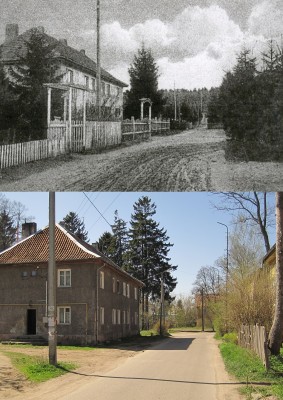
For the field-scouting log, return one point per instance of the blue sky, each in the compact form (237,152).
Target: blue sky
(189,218)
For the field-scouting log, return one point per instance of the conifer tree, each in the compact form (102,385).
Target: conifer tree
(147,256)
(144,84)
(7,230)
(75,225)
(120,237)
(106,244)
(36,67)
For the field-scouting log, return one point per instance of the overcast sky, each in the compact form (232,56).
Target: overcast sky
(193,42)
(189,218)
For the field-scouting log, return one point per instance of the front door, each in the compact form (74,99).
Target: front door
(31,322)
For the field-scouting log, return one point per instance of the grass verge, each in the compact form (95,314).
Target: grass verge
(38,369)
(248,368)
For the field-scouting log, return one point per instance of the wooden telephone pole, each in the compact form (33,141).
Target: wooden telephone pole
(98,73)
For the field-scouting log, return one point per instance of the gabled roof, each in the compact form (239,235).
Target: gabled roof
(13,50)
(35,248)
(68,247)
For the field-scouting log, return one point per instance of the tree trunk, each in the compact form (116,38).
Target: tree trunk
(276,332)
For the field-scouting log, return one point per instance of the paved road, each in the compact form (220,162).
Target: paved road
(187,366)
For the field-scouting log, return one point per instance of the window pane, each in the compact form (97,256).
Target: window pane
(61,278)
(68,278)
(61,315)
(67,315)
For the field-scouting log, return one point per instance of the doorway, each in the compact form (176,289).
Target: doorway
(31,322)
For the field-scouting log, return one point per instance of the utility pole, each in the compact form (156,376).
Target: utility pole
(52,331)
(202,311)
(161,305)
(175,103)
(98,74)
(227,271)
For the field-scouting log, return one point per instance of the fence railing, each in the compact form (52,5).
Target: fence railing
(135,127)
(95,135)
(255,338)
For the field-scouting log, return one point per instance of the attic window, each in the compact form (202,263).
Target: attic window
(33,273)
(24,274)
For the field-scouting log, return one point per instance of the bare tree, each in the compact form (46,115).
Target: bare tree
(276,332)
(253,207)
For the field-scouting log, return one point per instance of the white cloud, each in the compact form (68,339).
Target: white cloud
(266,19)
(194,49)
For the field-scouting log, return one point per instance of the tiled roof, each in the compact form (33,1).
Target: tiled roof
(36,248)
(13,50)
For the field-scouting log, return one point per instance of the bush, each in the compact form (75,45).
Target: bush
(165,328)
(231,337)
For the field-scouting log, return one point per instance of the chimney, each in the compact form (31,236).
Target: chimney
(82,51)
(12,32)
(64,42)
(28,229)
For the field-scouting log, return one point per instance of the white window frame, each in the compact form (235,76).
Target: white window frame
(113,316)
(70,76)
(128,290)
(124,289)
(64,270)
(101,279)
(124,317)
(101,315)
(65,313)
(118,317)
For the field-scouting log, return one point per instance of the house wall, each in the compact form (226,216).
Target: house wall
(21,292)
(111,95)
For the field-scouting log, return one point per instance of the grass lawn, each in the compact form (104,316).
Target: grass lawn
(247,367)
(38,369)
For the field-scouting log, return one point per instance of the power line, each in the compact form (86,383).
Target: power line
(97,210)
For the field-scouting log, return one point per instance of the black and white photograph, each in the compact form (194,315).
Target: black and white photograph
(159,96)
(141,199)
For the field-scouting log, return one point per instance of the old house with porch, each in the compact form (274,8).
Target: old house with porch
(96,300)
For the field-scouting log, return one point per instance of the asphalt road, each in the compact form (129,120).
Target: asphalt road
(187,366)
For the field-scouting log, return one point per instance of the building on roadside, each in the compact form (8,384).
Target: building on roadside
(75,69)
(96,300)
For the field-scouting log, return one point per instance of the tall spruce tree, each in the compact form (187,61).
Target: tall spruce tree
(36,67)
(120,237)
(7,230)
(147,257)
(144,84)
(106,244)
(238,97)
(75,225)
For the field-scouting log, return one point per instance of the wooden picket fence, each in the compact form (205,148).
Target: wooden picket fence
(22,153)
(95,135)
(255,338)
(135,127)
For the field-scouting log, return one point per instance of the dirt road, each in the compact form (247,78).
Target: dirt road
(185,366)
(189,161)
